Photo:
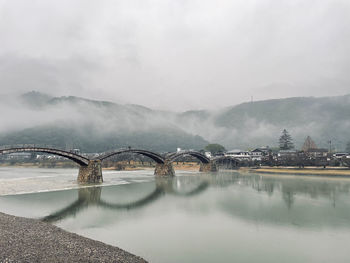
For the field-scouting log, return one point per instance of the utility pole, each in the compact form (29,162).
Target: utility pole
(330,146)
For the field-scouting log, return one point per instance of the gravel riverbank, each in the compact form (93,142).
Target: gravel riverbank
(30,240)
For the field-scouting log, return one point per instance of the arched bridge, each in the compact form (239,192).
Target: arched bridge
(201,157)
(81,160)
(229,161)
(206,164)
(219,158)
(154,156)
(90,170)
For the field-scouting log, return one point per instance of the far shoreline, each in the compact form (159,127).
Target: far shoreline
(330,171)
(115,166)
(311,171)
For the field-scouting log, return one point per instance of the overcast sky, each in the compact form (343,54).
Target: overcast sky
(176,54)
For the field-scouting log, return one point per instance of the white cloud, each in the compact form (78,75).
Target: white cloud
(176,54)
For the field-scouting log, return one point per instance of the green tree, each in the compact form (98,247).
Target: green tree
(286,141)
(214,148)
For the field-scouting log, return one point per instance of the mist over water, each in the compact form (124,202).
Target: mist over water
(200,217)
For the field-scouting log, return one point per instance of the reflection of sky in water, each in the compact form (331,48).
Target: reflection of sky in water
(223,217)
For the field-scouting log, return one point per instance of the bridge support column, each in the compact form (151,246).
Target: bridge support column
(92,173)
(164,169)
(208,167)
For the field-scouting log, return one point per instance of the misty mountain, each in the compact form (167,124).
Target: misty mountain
(260,123)
(157,140)
(324,119)
(92,126)
(100,125)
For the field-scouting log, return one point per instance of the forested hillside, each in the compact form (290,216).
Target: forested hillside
(96,126)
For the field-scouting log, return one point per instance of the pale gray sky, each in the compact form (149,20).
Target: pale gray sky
(176,54)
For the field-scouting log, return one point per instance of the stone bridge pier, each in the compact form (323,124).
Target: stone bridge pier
(208,167)
(164,169)
(91,173)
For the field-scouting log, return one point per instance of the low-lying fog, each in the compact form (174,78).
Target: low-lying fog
(244,126)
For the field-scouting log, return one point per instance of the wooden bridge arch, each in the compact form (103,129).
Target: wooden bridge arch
(201,157)
(154,156)
(81,160)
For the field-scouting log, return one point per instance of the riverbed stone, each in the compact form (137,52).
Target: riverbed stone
(31,240)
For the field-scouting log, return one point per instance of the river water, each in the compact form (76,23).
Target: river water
(194,217)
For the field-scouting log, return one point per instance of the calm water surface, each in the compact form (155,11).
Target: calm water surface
(194,217)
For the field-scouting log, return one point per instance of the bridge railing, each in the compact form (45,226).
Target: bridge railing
(47,146)
(112,151)
(129,148)
(9,146)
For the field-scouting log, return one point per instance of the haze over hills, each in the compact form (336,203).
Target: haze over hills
(323,119)
(95,126)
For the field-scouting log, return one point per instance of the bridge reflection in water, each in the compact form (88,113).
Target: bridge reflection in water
(91,196)
(226,212)
(284,188)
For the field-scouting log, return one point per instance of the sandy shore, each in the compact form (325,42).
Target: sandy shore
(30,240)
(330,171)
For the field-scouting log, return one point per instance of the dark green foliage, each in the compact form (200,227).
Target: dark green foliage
(214,148)
(286,141)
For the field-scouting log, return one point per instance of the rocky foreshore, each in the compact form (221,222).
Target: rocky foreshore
(30,240)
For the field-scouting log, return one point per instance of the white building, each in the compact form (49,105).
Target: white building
(257,154)
(239,154)
(207,154)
